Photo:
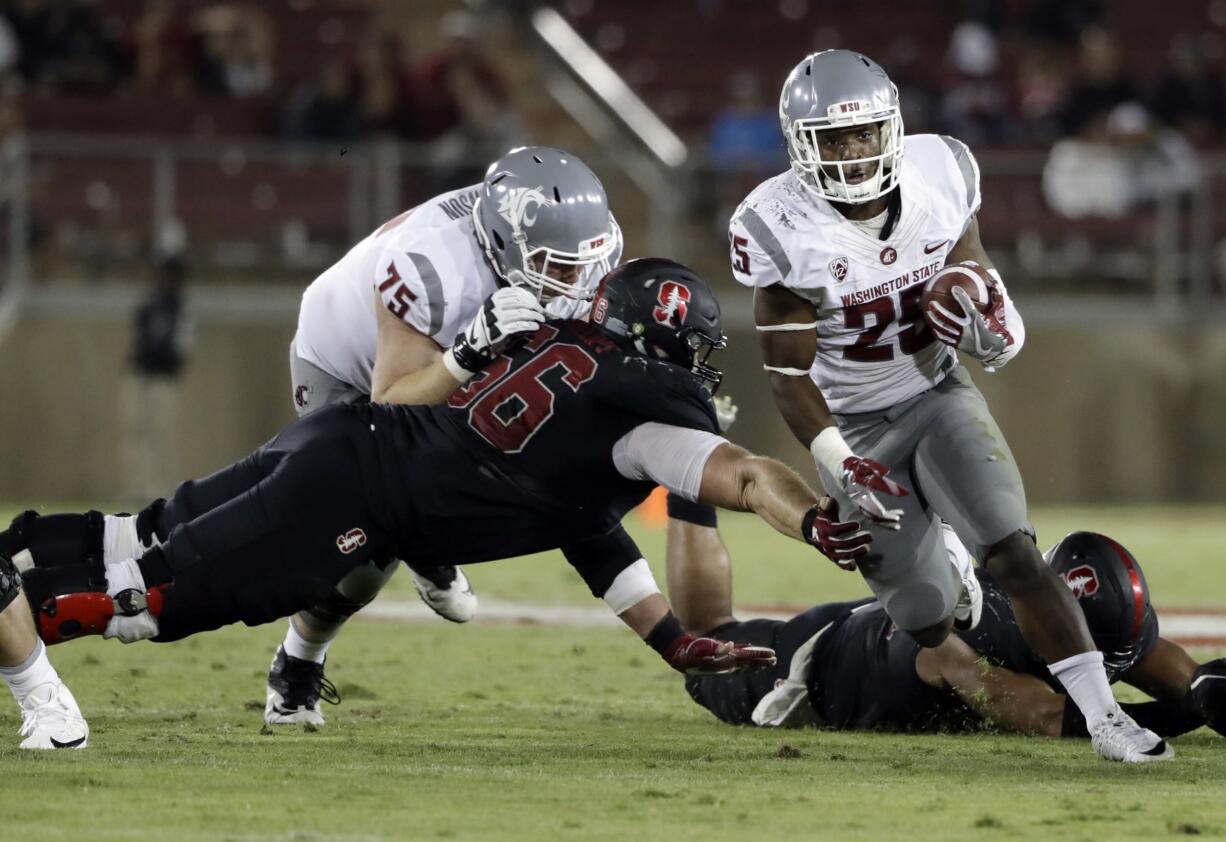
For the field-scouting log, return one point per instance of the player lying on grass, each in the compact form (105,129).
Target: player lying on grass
(548,446)
(847,666)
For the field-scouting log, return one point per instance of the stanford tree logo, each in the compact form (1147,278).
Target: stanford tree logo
(671,304)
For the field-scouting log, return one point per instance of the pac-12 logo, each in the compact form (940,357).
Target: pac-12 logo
(350,541)
(838,268)
(1082,581)
(671,304)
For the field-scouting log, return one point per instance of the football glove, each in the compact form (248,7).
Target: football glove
(508,316)
(982,336)
(725,412)
(841,542)
(860,478)
(707,656)
(1208,690)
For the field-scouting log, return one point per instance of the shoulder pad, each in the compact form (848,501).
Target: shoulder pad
(658,391)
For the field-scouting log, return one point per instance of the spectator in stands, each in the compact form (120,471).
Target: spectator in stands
(1062,21)
(433,96)
(65,44)
(1101,85)
(151,399)
(1189,94)
(1122,161)
(975,108)
(160,43)
(235,50)
(383,69)
(325,108)
(488,127)
(744,136)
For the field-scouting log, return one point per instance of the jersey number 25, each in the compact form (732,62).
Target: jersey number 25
(914,336)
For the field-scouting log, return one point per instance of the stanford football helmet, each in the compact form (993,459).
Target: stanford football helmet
(835,89)
(663,310)
(540,208)
(1113,594)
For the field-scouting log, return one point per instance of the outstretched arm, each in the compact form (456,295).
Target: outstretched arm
(1011,700)
(738,480)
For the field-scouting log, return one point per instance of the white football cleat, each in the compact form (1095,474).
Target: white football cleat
(970,603)
(51,718)
(1118,737)
(455,602)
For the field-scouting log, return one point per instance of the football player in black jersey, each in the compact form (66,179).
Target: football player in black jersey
(846,666)
(549,446)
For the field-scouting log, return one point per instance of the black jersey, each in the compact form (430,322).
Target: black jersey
(862,669)
(520,459)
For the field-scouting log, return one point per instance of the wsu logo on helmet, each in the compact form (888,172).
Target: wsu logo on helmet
(518,206)
(671,304)
(1082,581)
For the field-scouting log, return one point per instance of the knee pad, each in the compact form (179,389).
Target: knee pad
(67,603)
(59,540)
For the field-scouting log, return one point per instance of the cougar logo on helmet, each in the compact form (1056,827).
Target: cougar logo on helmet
(518,206)
(672,302)
(1082,581)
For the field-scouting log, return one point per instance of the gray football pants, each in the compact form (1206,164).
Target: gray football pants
(312,389)
(946,449)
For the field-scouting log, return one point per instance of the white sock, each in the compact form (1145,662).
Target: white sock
(1085,681)
(34,671)
(297,646)
(959,555)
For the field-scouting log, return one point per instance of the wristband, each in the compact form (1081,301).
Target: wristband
(691,511)
(665,633)
(454,368)
(830,451)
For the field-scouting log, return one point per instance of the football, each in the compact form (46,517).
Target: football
(969,275)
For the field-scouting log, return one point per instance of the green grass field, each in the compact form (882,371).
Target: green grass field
(511,732)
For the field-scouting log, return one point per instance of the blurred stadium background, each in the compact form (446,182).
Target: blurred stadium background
(238,148)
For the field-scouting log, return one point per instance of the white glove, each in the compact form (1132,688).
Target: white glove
(510,314)
(983,336)
(725,412)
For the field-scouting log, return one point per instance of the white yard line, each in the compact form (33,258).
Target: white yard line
(1202,627)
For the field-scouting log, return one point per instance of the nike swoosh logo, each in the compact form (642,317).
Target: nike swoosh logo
(1197,682)
(69,744)
(929,249)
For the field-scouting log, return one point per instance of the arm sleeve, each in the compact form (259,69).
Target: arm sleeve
(673,457)
(1013,321)
(602,557)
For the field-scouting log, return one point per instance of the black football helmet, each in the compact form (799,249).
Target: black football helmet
(1112,592)
(663,310)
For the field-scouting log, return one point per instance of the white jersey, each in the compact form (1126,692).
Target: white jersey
(426,267)
(874,349)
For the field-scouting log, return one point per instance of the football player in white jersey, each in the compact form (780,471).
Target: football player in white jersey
(409,314)
(837,250)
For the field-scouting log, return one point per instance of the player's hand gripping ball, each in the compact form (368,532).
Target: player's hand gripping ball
(963,306)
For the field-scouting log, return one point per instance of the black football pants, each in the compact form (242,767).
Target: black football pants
(273,533)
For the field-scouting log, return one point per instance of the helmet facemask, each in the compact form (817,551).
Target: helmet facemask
(828,178)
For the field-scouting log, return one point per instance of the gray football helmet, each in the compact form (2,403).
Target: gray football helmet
(832,90)
(540,209)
